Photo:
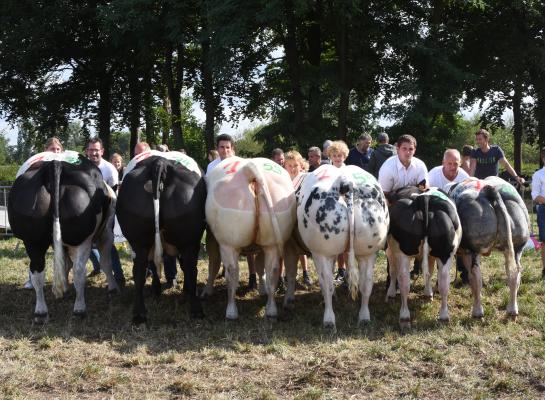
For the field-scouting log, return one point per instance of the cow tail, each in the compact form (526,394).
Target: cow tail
(253,171)
(159,170)
(346,189)
(511,263)
(425,245)
(60,286)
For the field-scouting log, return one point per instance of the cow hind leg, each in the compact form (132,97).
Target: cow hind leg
(139,275)
(291,259)
(36,253)
(392,274)
(443,272)
(324,267)
(189,263)
(513,281)
(428,288)
(229,257)
(403,278)
(79,256)
(271,279)
(472,264)
(366,267)
(214,262)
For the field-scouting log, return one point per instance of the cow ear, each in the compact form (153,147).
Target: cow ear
(148,187)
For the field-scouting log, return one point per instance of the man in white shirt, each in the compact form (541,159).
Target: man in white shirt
(538,196)
(403,169)
(449,171)
(225,146)
(94,152)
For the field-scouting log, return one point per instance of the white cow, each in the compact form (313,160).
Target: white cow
(250,203)
(338,210)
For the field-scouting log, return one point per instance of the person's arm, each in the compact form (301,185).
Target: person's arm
(537,185)
(503,161)
(472,166)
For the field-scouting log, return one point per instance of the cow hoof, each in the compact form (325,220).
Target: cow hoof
(41,319)
(362,323)
(428,298)
(405,324)
(443,321)
(80,314)
(330,326)
(478,316)
(139,320)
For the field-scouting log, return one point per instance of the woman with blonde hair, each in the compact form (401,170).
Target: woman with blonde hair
(117,162)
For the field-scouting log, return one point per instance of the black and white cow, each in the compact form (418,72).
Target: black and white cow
(338,210)
(493,216)
(161,206)
(422,224)
(61,199)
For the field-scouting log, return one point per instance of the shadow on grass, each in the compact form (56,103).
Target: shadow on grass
(171,329)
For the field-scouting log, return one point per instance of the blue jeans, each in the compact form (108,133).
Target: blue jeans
(169,263)
(116,263)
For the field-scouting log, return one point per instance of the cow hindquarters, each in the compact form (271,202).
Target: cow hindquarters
(366,266)
(229,257)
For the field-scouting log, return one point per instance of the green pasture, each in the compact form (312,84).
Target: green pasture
(104,356)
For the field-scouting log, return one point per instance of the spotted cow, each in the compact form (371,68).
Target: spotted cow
(343,209)
(60,199)
(250,203)
(493,216)
(422,224)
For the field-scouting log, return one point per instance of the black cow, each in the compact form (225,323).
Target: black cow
(421,224)
(65,202)
(161,204)
(493,215)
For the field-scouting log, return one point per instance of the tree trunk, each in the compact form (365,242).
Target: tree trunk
(174,79)
(210,104)
(517,125)
(344,98)
(314,41)
(294,70)
(104,112)
(148,107)
(134,118)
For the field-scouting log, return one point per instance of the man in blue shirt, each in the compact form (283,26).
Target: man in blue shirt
(485,159)
(361,153)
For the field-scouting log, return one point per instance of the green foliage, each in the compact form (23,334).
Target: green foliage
(247,145)
(8,172)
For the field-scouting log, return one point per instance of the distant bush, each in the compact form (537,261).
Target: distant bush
(7,173)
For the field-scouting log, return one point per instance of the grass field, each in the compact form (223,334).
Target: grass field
(103,356)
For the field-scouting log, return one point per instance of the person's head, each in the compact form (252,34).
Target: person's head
(183,151)
(277,156)
(314,156)
(326,144)
(117,161)
(94,150)
(337,153)
(482,137)
(141,147)
(162,147)
(364,142)
(406,146)
(466,150)
(383,138)
(54,145)
(542,153)
(225,146)
(212,155)
(451,163)
(292,163)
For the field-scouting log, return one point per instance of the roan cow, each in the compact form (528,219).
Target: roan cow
(61,199)
(338,210)
(422,224)
(250,203)
(493,216)
(161,207)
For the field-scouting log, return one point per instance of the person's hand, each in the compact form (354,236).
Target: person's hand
(520,180)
